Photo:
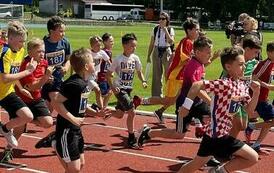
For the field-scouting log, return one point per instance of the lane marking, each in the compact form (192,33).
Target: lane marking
(11,168)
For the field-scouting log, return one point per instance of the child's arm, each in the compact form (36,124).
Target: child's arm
(193,92)
(109,76)
(101,113)
(24,91)
(61,109)
(98,95)
(204,96)
(266,85)
(66,67)
(38,84)
(142,78)
(255,86)
(7,78)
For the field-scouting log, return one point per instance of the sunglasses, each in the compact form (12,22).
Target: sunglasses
(162,18)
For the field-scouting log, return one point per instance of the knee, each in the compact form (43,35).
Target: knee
(254,158)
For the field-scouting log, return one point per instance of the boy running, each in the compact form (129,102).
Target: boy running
(228,94)
(262,73)
(10,60)
(124,66)
(71,108)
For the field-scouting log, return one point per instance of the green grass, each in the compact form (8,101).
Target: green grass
(79,37)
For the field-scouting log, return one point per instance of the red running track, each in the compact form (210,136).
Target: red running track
(107,152)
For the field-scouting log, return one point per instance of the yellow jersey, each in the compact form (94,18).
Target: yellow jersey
(9,64)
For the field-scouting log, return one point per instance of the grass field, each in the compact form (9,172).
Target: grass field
(79,37)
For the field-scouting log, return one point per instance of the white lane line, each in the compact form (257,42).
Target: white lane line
(11,168)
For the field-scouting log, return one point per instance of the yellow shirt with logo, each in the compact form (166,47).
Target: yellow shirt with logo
(9,64)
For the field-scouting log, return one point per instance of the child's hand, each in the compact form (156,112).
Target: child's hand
(104,113)
(26,93)
(78,121)
(31,66)
(183,111)
(49,71)
(255,86)
(115,90)
(144,84)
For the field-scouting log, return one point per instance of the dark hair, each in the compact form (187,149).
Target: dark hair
(252,42)
(106,36)
(270,46)
(79,58)
(202,42)
(230,54)
(54,22)
(166,16)
(190,23)
(127,37)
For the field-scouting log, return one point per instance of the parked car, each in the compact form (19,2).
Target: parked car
(125,17)
(5,15)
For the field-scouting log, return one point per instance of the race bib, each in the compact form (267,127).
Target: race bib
(56,58)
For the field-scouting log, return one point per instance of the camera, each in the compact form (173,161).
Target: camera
(235,28)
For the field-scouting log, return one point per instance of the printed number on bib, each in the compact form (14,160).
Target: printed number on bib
(234,106)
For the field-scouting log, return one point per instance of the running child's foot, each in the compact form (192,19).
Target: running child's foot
(132,143)
(143,137)
(46,142)
(215,170)
(248,134)
(12,141)
(213,162)
(137,101)
(159,116)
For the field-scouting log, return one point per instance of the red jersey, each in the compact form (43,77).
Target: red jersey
(38,73)
(263,71)
(181,57)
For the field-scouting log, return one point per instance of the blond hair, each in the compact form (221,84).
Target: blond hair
(253,21)
(79,58)
(94,39)
(16,28)
(34,43)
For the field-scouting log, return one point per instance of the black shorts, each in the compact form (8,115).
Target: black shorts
(223,147)
(69,144)
(39,108)
(124,101)
(12,103)
(196,111)
(49,87)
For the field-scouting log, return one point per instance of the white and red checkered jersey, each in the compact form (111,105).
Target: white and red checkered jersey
(228,95)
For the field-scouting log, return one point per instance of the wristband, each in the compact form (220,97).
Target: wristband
(188,103)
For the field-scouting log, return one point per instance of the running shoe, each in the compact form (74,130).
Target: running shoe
(159,116)
(137,101)
(7,156)
(213,162)
(46,142)
(132,143)
(143,137)
(215,170)
(12,141)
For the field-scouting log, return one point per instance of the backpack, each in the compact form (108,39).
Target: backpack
(156,28)
(4,51)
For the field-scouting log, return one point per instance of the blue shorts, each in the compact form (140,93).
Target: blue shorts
(265,110)
(104,87)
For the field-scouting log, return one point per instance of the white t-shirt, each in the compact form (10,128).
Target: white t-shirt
(124,68)
(161,42)
(97,59)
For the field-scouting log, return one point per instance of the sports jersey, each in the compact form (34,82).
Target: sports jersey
(180,59)
(56,53)
(9,64)
(193,71)
(101,76)
(76,102)
(228,95)
(38,73)
(98,58)
(264,71)
(124,67)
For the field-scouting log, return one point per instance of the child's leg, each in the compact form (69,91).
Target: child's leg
(130,121)
(244,158)
(24,116)
(194,164)
(43,121)
(73,166)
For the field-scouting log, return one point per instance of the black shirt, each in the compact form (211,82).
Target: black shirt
(76,90)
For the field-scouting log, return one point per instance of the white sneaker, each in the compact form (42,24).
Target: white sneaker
(272,129)
(12,141)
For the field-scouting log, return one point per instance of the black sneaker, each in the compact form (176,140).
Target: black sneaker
(213,162)
(143,135)
(95,107)
(159,116)
(7,156)
(132,143)
(46,141)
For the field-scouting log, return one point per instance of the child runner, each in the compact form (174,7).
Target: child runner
(33,83)
(124,66)
(262,73)
(10,60)
(106,92)
(71,108)
(193,71)
(228,94)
